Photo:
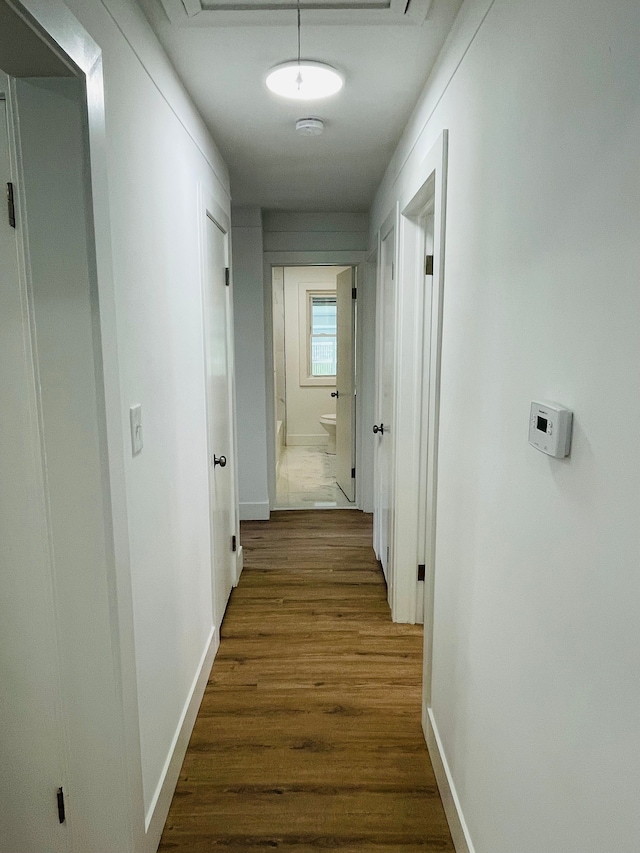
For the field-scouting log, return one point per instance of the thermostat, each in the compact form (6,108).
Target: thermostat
(550,429)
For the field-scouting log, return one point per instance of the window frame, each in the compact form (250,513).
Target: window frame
(305,301)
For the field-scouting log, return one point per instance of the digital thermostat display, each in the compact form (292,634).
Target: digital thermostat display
(550,429)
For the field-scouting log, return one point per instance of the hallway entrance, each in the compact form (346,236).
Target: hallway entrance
(314,376)
(309,736)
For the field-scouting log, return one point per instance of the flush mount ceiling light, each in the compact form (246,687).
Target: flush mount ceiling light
(304,79)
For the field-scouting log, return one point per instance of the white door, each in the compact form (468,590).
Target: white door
(383,507)
(345,384)
(219,413)
(31,753)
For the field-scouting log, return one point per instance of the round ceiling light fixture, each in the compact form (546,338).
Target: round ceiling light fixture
(309,126)
(304,80)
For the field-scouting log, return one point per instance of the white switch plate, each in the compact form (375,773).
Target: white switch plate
(135,419)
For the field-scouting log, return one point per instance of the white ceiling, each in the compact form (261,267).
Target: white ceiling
(222,56)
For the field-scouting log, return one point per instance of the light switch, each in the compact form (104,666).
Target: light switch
(135,419)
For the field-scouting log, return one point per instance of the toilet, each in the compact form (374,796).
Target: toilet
(329,424)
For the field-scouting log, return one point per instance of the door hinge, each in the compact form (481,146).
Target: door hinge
(354,292)
(353,473)
(234,543)
(11,206)
(421,571)
(61,811)
(393,269)
(428,265)
(227,276)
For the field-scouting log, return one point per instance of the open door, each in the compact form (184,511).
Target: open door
(32,765)
(345,384)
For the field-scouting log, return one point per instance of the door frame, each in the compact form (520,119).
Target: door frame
(411,382)
(421,392)
(62,34)
(352,313)
(307,259)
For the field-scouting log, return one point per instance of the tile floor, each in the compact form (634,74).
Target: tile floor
(306,479)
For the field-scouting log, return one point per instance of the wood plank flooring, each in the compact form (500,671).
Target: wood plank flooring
(309,737)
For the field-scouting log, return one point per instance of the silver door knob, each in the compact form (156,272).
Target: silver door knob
(378,429)
(219,460)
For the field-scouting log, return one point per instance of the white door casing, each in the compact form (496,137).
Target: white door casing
(345,384)
(412,363)
(219,411)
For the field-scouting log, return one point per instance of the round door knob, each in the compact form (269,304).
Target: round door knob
(219,460)
(378,429)
(335,394)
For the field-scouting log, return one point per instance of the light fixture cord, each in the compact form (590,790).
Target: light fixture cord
(298,5)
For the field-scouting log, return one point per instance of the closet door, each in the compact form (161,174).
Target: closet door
(31,765)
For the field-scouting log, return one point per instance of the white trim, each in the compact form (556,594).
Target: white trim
(254,511)
(417,351)
(159,808)
(450,800)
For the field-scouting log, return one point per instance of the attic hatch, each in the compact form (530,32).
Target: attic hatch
(210,13)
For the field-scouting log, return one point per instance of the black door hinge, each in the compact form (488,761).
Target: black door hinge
(11,206)
(234,543)
(227,276)
(421,571)
(354,292)
(428,265)
(353,473)
(61,812)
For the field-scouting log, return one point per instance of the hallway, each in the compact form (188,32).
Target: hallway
(308,736)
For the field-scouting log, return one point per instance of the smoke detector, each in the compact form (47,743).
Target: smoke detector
(309,126)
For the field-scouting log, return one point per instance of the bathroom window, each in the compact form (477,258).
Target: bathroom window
(322,344)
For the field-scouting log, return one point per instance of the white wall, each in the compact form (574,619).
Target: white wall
(248,298)
(158,155)
(305,403)
(535,687)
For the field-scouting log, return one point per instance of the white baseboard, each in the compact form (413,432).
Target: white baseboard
(450,801)
(254,511)
(300,439)
(159,809)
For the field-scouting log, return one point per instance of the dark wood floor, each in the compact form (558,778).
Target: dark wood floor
(309,737)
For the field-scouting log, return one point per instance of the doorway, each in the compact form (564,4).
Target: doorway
(314,381)
(64,604)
